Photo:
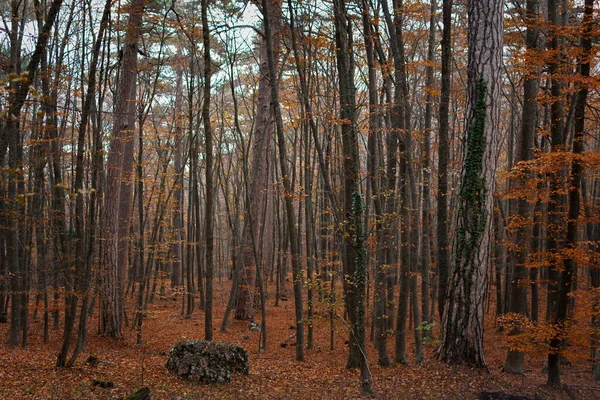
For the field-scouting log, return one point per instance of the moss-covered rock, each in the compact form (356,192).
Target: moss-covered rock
(207,362)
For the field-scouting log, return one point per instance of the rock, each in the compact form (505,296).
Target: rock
(142,394)
(103,384)
(254,327)
(93,361)
(286,341)
(207,362)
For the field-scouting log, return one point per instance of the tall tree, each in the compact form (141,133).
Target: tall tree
(11,140)
(373,165)
(210,197)
(259,173)
(286,180)
(574,194)
(395,145)
(557,201)
(81,261)
(525,143)
(593,236)
(462,326)
(425,257)
(354,258)
(118,191)
(443,250)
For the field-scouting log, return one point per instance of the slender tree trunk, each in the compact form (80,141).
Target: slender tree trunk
(425,257)
(374,166)
(287,186)
(177,247)
(10,139)
(500,260)
(593,232)
(81,260)
(568,272)
(534,272)
(310,242)
(209,206)
(443,249)
(557,200)
(92,224)
(398,120)
(354,262)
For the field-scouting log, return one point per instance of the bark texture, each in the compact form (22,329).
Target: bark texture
(525,143)
(118,192)
(569,269)
(443,251)
(354,258)
(210,197)
(261,156)
(462,326)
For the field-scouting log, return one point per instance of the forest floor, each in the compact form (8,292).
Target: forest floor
(274,374)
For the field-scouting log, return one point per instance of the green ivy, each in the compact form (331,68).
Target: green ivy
(472,214)
(360,271)
(360,274)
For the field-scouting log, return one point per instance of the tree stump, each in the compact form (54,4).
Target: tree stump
(207,362)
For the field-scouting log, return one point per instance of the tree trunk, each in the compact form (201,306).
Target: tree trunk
(10,139)
(81,261)
(425,256)
(354,262)
(568,272)
(557,200)
(287,186)
(374,165)
(117,199)
(209,207)
(518,292)
(177,247)
(462,329)
(443,250)
(261,155)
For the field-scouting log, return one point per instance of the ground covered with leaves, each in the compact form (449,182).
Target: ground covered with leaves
(274,374)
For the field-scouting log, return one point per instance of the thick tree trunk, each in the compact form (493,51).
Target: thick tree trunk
(555,224)
(462,328)
(520,276)
(118,193)
(261,156)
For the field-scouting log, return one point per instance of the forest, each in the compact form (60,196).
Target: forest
(381,198)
